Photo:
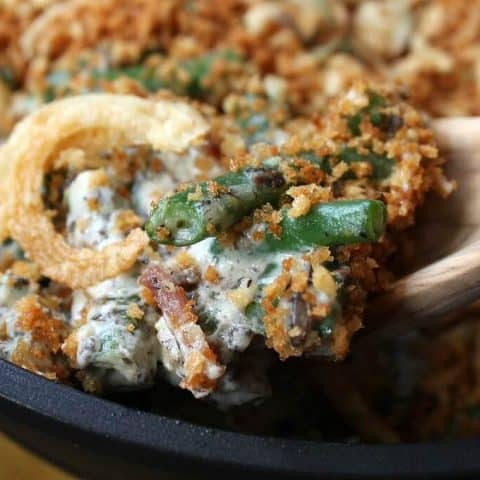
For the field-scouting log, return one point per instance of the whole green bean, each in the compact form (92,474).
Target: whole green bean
(342,222)
(209,207)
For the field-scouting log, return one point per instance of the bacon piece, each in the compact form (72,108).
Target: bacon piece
(200,369)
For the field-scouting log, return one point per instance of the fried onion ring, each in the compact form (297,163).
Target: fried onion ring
(91,122)
(4,176)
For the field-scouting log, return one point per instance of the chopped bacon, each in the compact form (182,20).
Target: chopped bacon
(201,368)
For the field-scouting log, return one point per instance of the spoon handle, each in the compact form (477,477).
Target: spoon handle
(458,136)
(426,295)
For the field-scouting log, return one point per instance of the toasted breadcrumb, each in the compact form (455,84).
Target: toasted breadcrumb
(211,274)
(135,312)
(296,82)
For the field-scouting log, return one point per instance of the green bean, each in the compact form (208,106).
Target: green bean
(343,222)
(255,314)
(146,76)
(372,110)
(209,207)
(199,68)
(10,251)
(7,77)
(388,123)
(255,116)
(196,70)
(123,355)
(382,166)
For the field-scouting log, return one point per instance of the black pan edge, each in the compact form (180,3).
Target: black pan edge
(60,422)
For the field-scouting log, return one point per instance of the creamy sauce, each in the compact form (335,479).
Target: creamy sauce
(116,350)
(222,305)
(92,211)
(11,289)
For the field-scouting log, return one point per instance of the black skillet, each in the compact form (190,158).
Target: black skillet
(96,438)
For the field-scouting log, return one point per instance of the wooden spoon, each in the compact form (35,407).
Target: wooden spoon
(447,242)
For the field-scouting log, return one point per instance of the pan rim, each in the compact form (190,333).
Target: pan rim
(229,450)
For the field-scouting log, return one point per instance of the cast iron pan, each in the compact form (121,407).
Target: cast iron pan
(96,438)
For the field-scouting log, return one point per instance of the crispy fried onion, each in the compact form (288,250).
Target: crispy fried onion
(92,123)
(198,366)
(4,170)
(78,24)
